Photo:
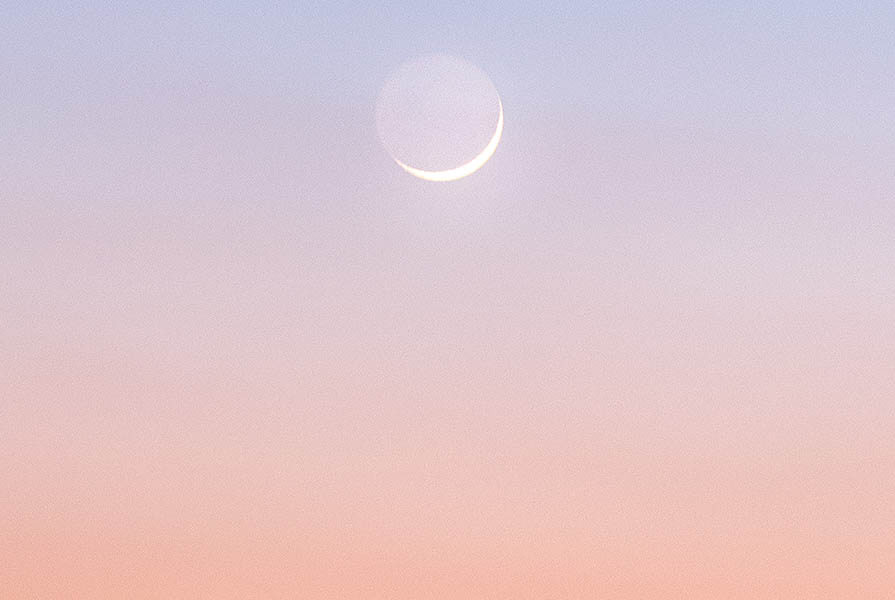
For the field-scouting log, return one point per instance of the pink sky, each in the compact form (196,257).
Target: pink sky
(648,351)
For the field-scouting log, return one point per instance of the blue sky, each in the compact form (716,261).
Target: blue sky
(823,66)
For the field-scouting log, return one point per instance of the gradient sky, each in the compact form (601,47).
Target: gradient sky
(648,351)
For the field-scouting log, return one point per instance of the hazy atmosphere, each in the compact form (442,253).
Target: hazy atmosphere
(647,350)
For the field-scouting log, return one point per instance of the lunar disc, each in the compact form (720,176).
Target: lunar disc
(439,117)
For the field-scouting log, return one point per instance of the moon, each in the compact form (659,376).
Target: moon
(438,111)
(463,170)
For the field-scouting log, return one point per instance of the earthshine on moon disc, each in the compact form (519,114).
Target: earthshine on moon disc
(439,117)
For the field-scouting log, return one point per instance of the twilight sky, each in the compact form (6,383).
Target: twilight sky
(647,351)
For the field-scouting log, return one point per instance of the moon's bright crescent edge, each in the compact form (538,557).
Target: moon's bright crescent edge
(463,170)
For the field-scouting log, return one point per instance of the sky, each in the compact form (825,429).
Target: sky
(647,351)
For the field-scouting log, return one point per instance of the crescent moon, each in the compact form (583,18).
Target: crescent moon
(466,169)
